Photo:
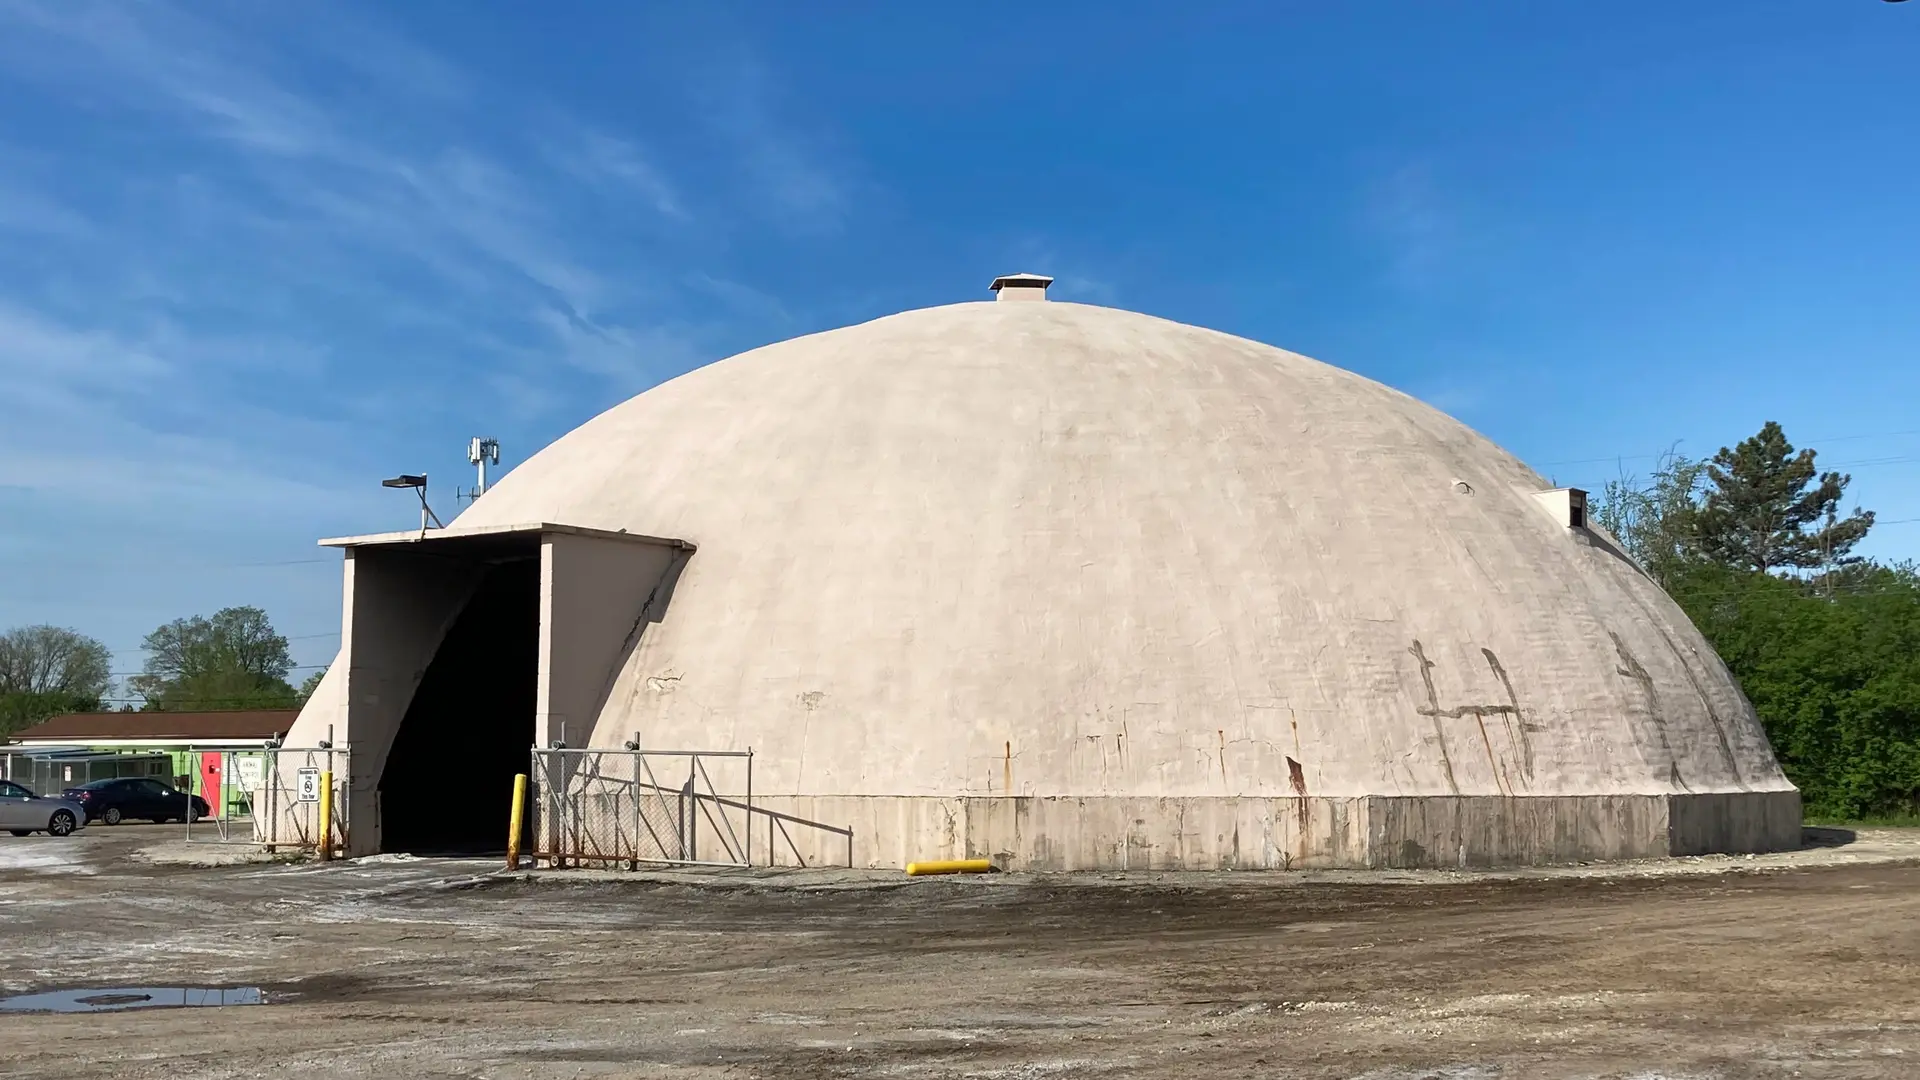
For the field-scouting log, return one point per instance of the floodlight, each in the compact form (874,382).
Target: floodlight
(416,483)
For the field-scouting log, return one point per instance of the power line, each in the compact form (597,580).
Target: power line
(1834,466)
(1644,457)
(283,562)
(1867,462)
(130,674)
(152,564)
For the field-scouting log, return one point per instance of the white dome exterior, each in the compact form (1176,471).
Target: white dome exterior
(1160,585)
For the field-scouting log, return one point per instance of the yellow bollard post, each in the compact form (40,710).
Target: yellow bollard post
(949,866)
(515,820)
(326,815)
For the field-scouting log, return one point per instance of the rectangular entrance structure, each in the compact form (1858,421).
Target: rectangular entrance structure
(461,648)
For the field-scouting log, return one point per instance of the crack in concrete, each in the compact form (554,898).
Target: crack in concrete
(1432,709)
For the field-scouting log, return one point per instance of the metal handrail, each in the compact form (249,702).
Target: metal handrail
(693,803)
(771,815)
(648,753)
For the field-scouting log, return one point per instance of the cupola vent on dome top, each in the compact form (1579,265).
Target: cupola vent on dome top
(1021,287)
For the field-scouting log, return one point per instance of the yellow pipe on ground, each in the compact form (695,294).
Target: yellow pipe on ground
(326,816)
(950,866)
(515,818)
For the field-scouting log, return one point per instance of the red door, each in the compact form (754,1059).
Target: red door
(210,782)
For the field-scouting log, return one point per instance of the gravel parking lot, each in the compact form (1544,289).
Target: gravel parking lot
(1799,966)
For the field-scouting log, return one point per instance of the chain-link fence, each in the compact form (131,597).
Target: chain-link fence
(284,803)
(52,771)
(649,807)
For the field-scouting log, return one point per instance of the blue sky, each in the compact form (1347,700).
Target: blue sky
(254,257)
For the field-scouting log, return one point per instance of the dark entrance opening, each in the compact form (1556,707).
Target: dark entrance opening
(449,777)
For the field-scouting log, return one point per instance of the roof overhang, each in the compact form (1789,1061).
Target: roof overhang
(85,745)
(482,532)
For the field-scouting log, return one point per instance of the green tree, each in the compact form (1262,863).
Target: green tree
(1830,662)
(25,710)
(49,659)
(1656,520)
(233,660)
(1835,677)
(311,684)
(48,670)
(1765,511)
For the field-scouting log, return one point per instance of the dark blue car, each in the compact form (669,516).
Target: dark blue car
(114,801)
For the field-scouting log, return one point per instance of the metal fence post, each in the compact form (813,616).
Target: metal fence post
(326,812)
(269,779)
(193,774)
(746,849)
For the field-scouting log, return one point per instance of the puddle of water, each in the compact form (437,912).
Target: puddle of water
(116,999)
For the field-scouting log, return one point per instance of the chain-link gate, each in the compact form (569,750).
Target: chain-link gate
(284,807)
(230,782)
(652,807)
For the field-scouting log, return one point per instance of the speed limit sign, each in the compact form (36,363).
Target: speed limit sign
(309,789)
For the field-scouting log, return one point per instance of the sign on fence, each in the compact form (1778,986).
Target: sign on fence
(309,789)
(247,774)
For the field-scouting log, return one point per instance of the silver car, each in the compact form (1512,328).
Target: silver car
(22,812)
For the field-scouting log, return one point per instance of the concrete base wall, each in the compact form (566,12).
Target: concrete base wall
(1034,833)
(1735,823)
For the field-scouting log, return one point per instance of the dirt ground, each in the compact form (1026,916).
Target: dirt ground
(1797,967)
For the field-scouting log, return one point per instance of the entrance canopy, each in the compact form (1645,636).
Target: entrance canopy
(497,538)
(403,590)
(462,648)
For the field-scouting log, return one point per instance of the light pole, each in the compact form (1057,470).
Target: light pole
(417,482)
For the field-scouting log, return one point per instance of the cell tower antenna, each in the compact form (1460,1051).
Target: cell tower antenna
(481,452)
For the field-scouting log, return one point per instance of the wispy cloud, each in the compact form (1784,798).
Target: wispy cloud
(83,421)
(614,165)
(1417,227)
(788,174)
(284,252)
(56,370)
(486,207)
(27,209)
(156,57)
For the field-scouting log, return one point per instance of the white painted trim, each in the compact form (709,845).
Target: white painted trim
(534,528)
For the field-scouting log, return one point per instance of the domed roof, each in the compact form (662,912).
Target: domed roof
(1069,550)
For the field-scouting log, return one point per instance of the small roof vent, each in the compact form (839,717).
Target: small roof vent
(1021,287)
(1567,506)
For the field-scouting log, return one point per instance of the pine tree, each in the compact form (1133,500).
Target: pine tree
(1765,511)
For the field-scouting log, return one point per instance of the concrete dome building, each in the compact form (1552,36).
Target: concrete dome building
(1065,586)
